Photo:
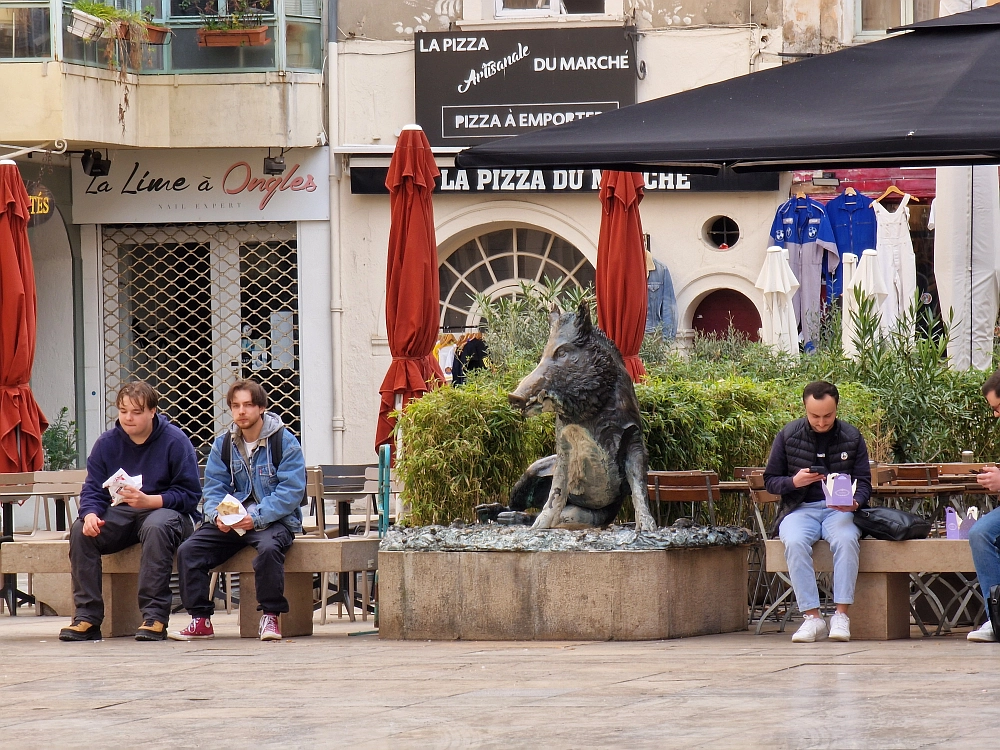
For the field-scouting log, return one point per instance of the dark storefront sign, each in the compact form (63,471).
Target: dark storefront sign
(470,88)
(371,181)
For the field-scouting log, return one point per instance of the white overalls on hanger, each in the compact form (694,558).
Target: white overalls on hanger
(896,261)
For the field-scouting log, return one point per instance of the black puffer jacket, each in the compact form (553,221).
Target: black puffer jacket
(795,448)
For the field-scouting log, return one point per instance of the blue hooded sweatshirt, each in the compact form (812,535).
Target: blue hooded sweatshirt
(167,462)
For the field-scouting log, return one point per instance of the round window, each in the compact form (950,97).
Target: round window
(721,232)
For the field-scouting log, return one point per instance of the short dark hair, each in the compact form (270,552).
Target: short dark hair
(140,394)
(820,389)
(258,396)
(992,385)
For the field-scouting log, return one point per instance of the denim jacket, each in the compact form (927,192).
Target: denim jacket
(278,491)
(661,304)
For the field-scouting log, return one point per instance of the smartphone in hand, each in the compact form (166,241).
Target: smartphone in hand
(819,470)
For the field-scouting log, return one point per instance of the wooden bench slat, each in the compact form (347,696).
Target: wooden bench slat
(306,555)
(878,556)
(682,495)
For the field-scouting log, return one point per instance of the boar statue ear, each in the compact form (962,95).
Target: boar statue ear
(553,314)
(583,322)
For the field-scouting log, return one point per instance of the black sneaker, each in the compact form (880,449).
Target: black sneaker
(151,630)
(81,630)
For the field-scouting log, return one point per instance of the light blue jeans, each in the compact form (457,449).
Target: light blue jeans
(985,542)
(800,530)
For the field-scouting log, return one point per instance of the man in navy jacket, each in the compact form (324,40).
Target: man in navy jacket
(802,455)
(159,515)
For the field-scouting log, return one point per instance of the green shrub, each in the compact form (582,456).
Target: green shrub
(466,446)
(59,443)
(717,407)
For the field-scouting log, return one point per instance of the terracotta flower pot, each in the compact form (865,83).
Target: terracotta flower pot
(254,37)
(157,34)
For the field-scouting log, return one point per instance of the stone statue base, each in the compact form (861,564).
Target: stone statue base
(620,593)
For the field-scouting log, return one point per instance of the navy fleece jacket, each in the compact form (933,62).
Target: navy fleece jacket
(167,462)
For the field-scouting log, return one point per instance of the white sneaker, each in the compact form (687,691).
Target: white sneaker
(840,627)
(811,629)
(985,634)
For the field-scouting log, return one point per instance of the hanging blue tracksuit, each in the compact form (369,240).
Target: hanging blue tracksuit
(854,228)
(802,227)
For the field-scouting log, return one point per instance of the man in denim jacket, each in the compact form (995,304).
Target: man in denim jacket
(271,495)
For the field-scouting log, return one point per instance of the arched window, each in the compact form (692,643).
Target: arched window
(496,263)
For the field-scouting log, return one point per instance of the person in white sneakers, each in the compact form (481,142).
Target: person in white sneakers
(984,539)
(802,455)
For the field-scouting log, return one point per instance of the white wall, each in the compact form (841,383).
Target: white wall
(77,103)
(52,376)
(315,341)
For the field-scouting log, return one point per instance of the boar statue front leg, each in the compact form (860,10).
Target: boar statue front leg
(549,517)
(636,466)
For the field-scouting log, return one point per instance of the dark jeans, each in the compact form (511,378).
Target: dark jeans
(160,533)
(209,547)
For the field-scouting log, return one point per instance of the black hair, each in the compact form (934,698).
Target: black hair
(820,389)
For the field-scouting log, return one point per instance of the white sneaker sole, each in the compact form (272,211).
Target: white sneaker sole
(839,637)
(796,638)
(270,637)
(975,638)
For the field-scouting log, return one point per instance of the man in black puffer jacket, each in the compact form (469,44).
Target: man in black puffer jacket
(803,518)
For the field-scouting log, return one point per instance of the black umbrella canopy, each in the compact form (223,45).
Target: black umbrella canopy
(927,97)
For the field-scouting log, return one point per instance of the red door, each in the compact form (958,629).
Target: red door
(724,305)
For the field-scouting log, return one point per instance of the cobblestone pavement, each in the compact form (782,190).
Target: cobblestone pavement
(334,690)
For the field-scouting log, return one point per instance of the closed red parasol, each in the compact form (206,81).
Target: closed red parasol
(412,292)
(621,267)
(21,421)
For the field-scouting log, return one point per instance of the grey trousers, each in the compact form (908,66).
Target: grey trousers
(159,531)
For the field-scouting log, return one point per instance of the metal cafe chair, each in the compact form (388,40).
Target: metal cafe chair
(773,590)
(683,487)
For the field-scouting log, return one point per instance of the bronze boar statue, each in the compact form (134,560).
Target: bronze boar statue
(600,455)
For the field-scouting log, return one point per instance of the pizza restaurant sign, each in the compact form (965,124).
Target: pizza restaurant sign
(157,186)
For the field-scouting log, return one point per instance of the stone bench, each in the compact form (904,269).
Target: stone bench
(881,609)
(121,578)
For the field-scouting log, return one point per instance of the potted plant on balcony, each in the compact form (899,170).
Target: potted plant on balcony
(155,34)
(90,19)
(242,27)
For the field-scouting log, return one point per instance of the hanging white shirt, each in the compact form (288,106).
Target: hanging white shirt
(896,261)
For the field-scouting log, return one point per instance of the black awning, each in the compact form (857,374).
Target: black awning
(928,97)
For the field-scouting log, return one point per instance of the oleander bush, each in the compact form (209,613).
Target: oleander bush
(717,406)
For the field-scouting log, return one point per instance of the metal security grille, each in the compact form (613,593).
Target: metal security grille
(191,308)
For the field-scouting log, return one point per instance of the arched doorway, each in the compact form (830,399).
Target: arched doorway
(494,264)
(719,308)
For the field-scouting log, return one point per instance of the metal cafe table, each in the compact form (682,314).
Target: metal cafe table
(18,487)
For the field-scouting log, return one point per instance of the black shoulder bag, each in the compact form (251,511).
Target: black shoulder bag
(891,524)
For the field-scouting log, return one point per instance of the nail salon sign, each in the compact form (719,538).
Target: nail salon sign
(159,186)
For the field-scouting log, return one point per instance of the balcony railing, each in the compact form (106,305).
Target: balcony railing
(295,41)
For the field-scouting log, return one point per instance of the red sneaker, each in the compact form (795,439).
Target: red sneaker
(199,629)
(269,628)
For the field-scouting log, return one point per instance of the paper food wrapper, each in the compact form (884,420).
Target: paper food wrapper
(839,490)
(119,481)
(966,524)
(232,511)
(951,523)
